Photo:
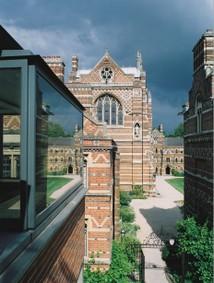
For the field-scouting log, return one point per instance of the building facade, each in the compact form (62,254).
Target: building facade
(118,99)
(198,139)
(168,153)
(117,144)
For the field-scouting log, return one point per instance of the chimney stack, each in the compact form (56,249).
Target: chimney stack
(74,62)
(161,128)
(57,65)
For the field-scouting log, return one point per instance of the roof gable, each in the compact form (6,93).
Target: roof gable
(95,76)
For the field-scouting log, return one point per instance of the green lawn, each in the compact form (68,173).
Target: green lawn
(177,183)
(55,183)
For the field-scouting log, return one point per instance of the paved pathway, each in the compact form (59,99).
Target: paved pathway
(157,214)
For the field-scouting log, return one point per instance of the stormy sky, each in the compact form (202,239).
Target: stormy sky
(164,30)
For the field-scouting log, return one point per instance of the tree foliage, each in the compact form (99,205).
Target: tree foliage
(127,214)
(125,198)
(196,243)
(56,130)
(177,132)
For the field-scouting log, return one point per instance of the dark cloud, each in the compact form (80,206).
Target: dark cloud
(164,30)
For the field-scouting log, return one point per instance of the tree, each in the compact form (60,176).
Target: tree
(177,132)
(56,130)
(196,243)
(191,252)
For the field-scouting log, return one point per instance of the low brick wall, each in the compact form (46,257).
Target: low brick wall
(61,261)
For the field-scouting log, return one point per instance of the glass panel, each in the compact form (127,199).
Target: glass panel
(58,144)
(113,112)
(120,116)
(107,110)
(10,110)
(99,110)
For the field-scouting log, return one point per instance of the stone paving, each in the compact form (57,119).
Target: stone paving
(157,214)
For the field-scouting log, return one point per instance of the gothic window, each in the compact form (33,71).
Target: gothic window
(109,110)
(167,159)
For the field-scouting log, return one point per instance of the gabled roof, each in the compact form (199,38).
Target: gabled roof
(126,70)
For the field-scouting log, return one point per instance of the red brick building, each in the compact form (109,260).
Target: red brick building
(198,139)
(117,143)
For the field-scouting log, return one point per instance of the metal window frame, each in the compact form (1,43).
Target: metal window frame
(21,64)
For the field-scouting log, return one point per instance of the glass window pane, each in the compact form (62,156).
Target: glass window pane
(107,110)
(113,112)
(10,110)
(58,144)
(99,110)
(120,117)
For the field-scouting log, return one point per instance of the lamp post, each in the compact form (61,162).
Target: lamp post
(172,242)
(123,234)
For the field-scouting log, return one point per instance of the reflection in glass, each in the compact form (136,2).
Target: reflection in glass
(58,144)
(10,110)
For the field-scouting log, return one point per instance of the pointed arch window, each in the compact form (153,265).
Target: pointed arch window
(109,110)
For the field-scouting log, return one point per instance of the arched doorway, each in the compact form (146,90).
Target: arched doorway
(167,170)
(70,169)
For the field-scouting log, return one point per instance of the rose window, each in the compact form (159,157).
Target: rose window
(107,74)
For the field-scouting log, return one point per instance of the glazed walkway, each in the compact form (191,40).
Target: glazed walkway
(157,214)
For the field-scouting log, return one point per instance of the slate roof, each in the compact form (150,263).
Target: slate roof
(66,141)
(174,141)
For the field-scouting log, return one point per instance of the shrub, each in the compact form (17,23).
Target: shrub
(137,192)
(177,173)
(129,244)
(127,214)
(130,229)
(125,198)
(119,270)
